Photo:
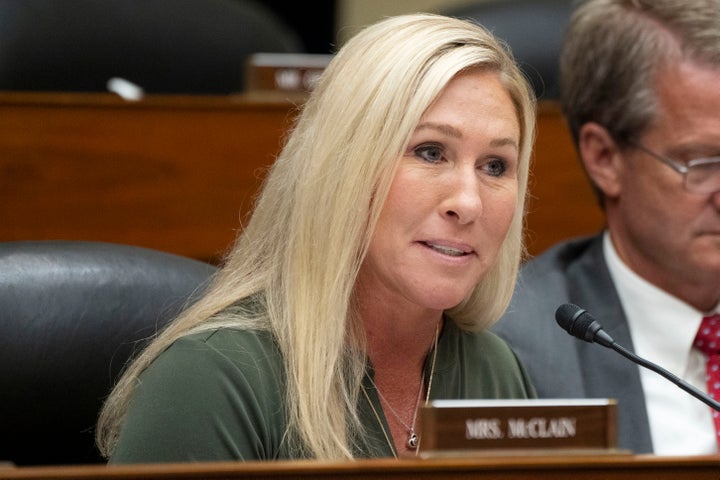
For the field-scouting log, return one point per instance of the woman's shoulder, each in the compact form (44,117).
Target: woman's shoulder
(234,341)
(230,333)
(225,380)
(236,347)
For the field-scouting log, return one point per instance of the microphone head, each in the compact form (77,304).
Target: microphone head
(580,324)
(576,321)
(566,314)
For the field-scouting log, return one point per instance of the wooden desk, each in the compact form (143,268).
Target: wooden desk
(477,468)
(177,173)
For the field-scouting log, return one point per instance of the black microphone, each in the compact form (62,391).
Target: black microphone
(579,323)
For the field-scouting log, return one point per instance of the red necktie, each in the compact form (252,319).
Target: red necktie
(708,342)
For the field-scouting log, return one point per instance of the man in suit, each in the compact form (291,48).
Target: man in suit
(641,93)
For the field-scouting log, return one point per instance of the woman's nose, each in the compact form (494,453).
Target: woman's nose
(464,201)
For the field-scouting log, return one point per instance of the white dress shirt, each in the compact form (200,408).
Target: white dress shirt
(663,329)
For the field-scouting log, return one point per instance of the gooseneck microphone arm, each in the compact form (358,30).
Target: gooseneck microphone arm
(580,324)
(673,378)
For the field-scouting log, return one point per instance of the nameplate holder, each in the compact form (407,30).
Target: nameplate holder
(284,72)
(563,426)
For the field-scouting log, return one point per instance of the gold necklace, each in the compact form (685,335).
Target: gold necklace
(413,440)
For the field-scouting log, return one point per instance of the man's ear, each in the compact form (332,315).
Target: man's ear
(602,158)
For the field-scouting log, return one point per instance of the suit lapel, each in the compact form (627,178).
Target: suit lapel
(606,374)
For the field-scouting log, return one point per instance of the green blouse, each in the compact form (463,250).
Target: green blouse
(219,396)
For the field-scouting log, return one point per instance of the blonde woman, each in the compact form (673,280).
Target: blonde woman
(386,239)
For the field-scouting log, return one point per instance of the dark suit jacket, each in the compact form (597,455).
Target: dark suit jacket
(560,365)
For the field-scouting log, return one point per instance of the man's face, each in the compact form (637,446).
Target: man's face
(666,234)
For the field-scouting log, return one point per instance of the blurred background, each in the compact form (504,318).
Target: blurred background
(201,46)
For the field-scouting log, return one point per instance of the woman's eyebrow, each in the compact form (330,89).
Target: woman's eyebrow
(451,131)
(507,141)
(440,127)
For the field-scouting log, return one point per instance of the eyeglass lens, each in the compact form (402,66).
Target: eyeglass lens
(704,177)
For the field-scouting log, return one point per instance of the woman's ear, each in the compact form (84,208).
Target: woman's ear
(601,157)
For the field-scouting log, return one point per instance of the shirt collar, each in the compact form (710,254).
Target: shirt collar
(662,326)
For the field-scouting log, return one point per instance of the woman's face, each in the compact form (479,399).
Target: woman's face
(451,202)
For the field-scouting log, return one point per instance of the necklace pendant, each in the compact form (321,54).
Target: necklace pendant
(412,440)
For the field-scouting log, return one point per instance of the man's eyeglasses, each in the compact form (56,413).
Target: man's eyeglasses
(701,175)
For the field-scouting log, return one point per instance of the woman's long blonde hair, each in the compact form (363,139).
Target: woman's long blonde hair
(306,240)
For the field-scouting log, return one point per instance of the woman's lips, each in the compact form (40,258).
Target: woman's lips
(453,250)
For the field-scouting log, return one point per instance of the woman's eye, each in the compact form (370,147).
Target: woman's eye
(429,153)
(496,167)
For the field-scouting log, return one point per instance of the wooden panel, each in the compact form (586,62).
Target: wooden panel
(178,173)
(174,173)
(562,203)
(553,467)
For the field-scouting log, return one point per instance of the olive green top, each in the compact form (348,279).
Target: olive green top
(220,395)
